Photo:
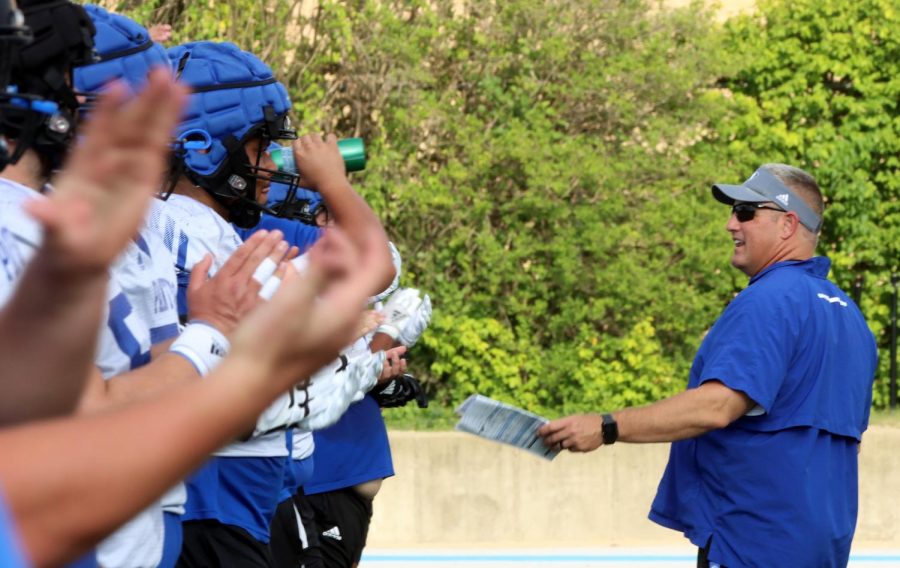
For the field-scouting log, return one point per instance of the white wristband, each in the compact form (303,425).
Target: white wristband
(203,345)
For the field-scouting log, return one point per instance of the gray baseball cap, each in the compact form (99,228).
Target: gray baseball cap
(764,186)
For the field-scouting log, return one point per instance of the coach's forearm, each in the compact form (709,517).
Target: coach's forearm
(97,471)
(48,334)
(685,415)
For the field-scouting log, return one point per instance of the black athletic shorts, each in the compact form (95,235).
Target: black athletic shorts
(342,522)
(703,556)
(294,531)
(210,543)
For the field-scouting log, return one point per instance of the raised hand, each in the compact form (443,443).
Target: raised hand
(233,291)
(394,364)
(336,254)
(312,316)
(399,310)
(319,161)
(102,193)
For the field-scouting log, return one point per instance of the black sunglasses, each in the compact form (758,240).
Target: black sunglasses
(747,211)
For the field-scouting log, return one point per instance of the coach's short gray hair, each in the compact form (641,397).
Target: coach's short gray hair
(800,182)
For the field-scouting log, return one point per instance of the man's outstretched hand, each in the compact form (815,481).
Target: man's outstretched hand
(579,433)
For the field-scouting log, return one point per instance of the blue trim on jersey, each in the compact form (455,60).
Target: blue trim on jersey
(182,250)
(142,244)
(163,332)
(169,234)
(183,275)
(119,309)
(296,474)
(173,540)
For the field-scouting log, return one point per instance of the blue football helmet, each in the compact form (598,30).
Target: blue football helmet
(292,202)
(125,52)
(235,97)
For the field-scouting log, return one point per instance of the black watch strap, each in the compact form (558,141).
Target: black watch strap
(610,430)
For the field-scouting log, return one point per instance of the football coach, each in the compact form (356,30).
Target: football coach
(762,469)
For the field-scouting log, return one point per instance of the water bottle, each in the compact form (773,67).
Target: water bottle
(353,150)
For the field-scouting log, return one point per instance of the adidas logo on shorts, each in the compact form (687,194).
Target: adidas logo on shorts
(333,532)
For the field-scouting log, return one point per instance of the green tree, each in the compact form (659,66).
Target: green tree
(816,84)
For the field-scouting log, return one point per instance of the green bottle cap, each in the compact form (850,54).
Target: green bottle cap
(353,150)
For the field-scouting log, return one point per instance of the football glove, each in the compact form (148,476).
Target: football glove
(399,310)
(399,391)
(416,324)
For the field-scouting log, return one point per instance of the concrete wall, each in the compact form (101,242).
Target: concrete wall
(453,489)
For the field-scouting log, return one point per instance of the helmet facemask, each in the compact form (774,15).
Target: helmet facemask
(235,187)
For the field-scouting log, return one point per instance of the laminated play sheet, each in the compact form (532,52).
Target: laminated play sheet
(504,423)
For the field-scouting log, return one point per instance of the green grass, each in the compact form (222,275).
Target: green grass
(886,418)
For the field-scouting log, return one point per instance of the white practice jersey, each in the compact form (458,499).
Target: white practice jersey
(141,311)
(146,273)
(142,306)
(20,235)
(124,344)
(190,230)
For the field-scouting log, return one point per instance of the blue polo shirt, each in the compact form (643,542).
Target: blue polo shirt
(778,488)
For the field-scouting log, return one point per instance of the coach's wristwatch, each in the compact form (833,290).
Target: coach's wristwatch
(610,430)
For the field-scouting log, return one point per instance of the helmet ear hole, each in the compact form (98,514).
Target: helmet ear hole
(196,140)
